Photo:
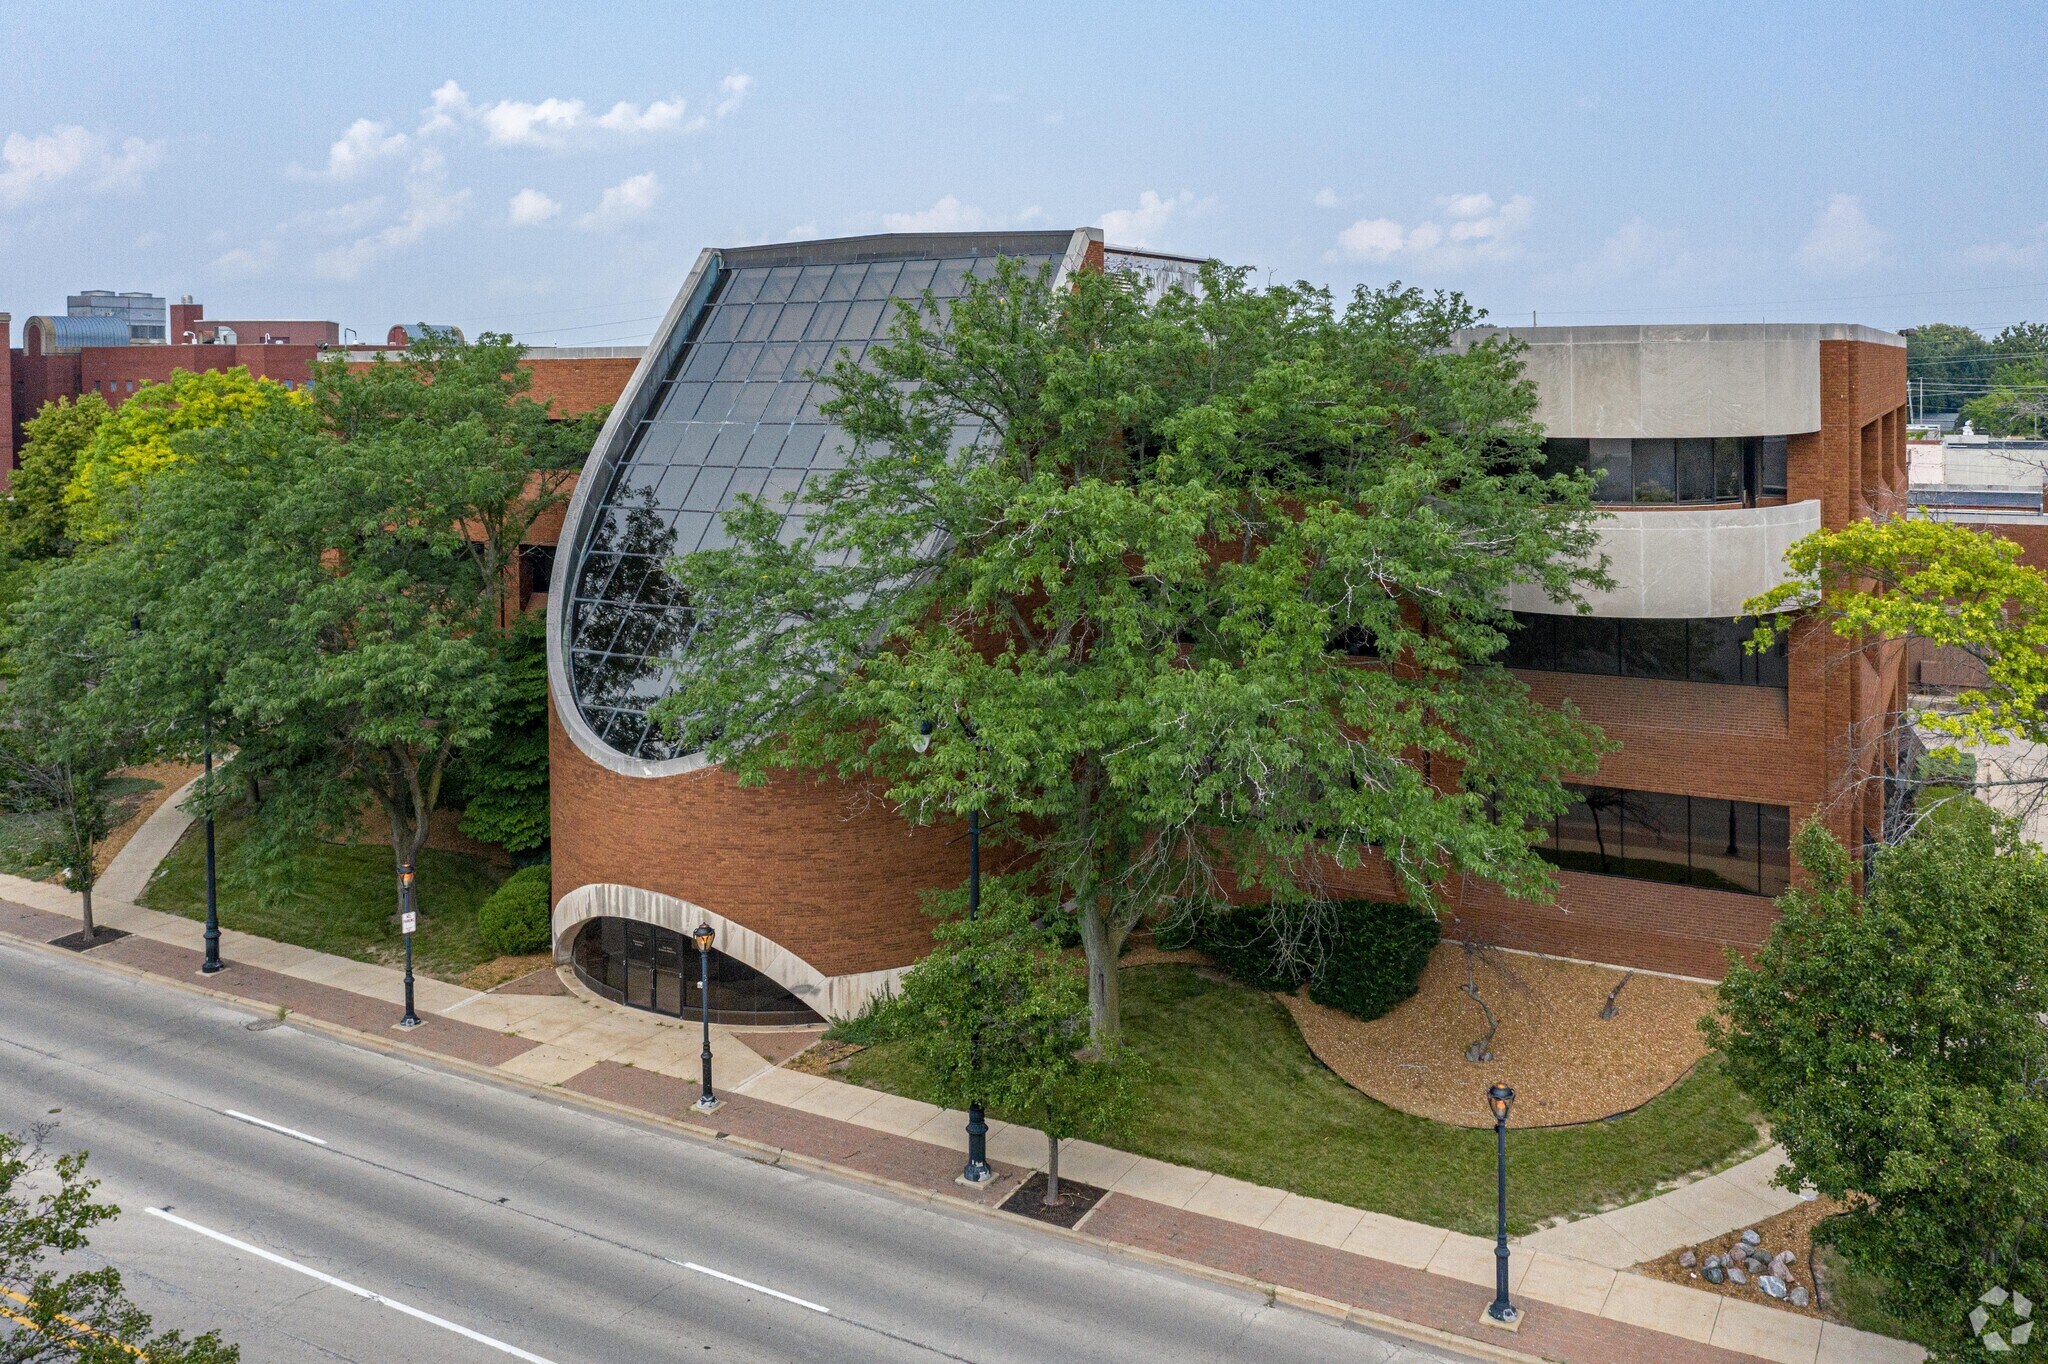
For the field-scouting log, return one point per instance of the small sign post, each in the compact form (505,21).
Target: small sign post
(409,920)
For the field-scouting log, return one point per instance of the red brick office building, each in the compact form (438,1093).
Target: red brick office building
(1715,448)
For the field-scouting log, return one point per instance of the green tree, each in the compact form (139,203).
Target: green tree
(80,1317)
(501,782)
(1949,364)
(63,732)
(1895,1043)
(324,587)
(56,441)
(997,1014)
(1941,581)
(1126,611)
(135,443)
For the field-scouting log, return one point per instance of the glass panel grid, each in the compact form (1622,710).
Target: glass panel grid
(735,413)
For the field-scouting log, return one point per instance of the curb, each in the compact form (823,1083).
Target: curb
(763,1153)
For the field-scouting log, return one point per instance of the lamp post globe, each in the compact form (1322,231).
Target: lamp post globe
(1500,1101)
(703,938)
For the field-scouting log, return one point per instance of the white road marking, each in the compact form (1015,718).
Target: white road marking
(345,1286)
(288,1131)
(758,1288)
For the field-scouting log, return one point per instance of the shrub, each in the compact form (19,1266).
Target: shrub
(518,918)
(1245,942)
(1377,959)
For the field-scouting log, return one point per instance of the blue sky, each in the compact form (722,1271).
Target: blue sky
(552,170)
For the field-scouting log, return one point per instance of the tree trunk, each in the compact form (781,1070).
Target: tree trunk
(1100,944)
(85,904)
(1052,1170)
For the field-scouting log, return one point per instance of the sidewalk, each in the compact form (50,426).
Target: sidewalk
(1580,1303)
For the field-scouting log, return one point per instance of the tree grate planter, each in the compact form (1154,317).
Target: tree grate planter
(75,942)
(1077,1200)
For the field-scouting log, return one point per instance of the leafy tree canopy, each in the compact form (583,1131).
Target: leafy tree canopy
(1942,581)
(81,1316)
(56,441)
(325,586)
(998,1015)
(1127,608)
(1895,1041)
(147,434)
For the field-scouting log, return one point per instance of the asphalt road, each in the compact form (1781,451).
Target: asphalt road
(393,1211)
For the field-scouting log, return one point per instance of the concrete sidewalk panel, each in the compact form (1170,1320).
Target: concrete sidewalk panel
(1395,1240)
(1767,1332)
(1662,1307)
(1313,1220)
(1158,1182)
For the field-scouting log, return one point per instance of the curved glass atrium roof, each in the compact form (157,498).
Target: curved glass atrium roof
(728,408)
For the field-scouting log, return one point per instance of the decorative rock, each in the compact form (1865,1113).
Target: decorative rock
(1756,1266)
(1736,1275)
(1772,1285)
(1797,1297)
(1713,1262)
(1716,1274)
(1750,1238)
(1688,1260)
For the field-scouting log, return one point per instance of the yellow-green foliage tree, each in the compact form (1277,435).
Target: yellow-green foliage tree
(144,436)
(57,438)
(1940,581)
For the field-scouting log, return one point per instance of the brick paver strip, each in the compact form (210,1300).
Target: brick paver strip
(327,1003)
(37,925)
(904,1160)
(1548,1331)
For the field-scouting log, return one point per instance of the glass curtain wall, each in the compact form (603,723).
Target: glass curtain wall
(1729,845)
(735,411)
(1709,650)
(649,967)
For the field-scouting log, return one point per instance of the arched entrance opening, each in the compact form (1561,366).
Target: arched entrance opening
(645,966)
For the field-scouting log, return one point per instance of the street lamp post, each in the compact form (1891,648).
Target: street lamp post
(212,962)
(408,920)
(977,1170)
(1500,1099)
(704,937)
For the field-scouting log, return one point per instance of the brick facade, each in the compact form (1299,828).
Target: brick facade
(835,879)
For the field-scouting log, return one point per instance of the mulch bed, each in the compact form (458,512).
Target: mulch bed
(101,937)
(1790,1230)
(1077,1200)
(1565,1063)
(780,1044)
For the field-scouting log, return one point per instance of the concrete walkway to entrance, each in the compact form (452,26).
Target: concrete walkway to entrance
(1583,1303)
(129,872)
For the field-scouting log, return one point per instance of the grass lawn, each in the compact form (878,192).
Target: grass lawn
(21,834)
(340,899)
(1231,1087)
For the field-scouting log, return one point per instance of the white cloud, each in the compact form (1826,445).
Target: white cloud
(732,91)
(364,144)
(33,164)
(1843,240)
(2028,252)
(556,122)
(1142,226)
(530,208)
(430,204)
(803,232)
(1473,228)
(1325,198)
(947,215)
(246,260)
(622,203)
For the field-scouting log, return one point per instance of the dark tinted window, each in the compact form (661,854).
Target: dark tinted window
(1659,471)
(1729,845)
(1711,650)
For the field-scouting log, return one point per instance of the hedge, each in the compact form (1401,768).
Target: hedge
(518,917)
(1374,963)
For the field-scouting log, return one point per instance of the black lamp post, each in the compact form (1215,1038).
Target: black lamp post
(407,921)
(977,1170)
(704,937)
(212,962)
(1500,1099)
